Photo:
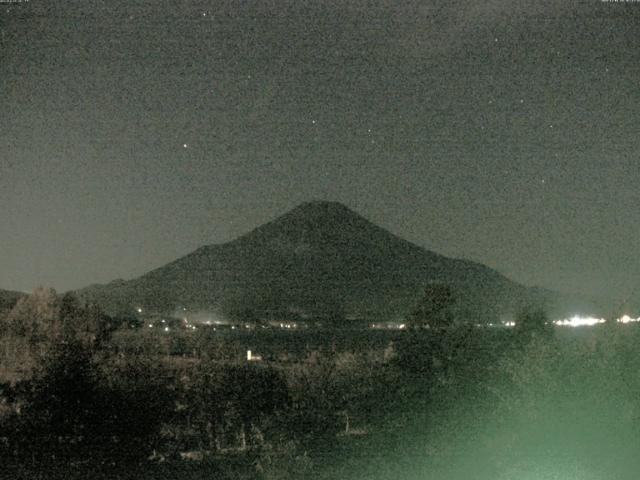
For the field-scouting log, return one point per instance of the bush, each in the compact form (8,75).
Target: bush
(532,322)
(75,411)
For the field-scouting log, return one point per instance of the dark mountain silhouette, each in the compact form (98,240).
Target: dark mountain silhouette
(322,260)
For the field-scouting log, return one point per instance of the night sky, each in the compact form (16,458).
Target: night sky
(502,131)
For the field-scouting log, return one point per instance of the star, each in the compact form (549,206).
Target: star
(184,145)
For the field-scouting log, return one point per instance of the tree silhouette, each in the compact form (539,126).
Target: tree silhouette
(532,321)
(434,309)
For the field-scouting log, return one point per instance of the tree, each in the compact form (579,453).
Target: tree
(77,409)
(40,322)
(35,317)
(233,400)
(434,309)
(332,313)
(59,403)
(244,314)
(317,398)
(28,333)
(532,321)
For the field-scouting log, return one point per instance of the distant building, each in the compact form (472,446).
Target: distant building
(287,324)
(253,358)
(387,326)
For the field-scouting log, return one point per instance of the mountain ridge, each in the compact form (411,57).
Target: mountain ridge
(320,258)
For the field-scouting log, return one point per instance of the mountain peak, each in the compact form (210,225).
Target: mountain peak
(325,205)
(316,221)
(324,209)
(320,257)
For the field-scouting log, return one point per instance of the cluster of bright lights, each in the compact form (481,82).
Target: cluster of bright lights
(628,319)
(577,321)
(288,325)
(389,326)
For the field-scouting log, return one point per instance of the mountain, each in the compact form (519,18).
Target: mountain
(320,259)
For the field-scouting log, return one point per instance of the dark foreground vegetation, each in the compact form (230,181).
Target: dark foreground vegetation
(85,396)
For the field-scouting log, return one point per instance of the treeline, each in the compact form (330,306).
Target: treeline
(83,394)
(80,390)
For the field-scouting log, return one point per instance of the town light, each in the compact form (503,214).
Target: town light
(577,321)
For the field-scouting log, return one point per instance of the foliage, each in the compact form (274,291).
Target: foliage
(438,395)
(35,317)
(220,399)
(445,357)
(75,409)
(434,309)
(39,323)
(532,322)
